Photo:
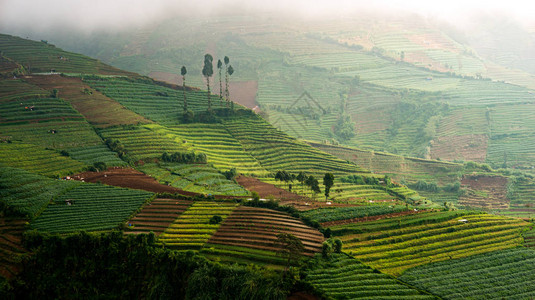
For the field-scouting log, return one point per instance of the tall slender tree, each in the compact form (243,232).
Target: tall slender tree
(230,71)
(183,71)
(226,60)
(220,67)
(328,182)
(207,72)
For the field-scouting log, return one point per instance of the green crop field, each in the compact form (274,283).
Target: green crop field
(344,213)
(343,277)
(90,207)
(192,229)
(506,274)
(17,89)
(396,244)
(30,193)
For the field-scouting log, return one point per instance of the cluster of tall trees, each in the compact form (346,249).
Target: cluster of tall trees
(208,72)
(306,180)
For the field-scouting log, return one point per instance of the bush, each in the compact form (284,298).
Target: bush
(215,219)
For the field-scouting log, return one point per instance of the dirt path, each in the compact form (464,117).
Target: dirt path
(372,218)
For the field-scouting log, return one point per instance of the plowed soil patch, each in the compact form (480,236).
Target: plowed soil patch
(464,147)
(485,191)
(11,246)
(372,218)
(249,227)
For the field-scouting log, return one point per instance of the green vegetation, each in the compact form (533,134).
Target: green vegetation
(343,277)
(396,244)
(90,207)
(192,229)
(28,194)
(344,213)
(500,274)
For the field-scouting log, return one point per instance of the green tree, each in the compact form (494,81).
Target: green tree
(230,71)
(290,247)
(313,184)
(220,67)
(227,61)
(301,177)
(207,72)
(328,182)
(184,71)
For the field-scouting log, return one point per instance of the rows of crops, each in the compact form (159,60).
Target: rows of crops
(273,149)
(37,160)
(90,207)
(42,57)
(202,178)
(257,228)
(192,229)
(157,103)
(343,277)
(506,274)
(344,213)
(97,153)
(17,89)
(157,215)
(222,149)
(29,193)
(396,244)
(243,255)
(529,238)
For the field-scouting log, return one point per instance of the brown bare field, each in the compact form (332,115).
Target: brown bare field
(472,147)
(157,216)
(485,191)
(11,246)
(98,109)
(258,228)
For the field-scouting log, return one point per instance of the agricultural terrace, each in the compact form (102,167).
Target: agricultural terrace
(38,160)
(485,192)
(397,167)
(505,274)
(343,277)
(277,151)
(156,216)
(98,110)
(157,103)
(330,214)
(29,193)
(222,149)
(257,229)
(94,154)
(341,192)
(141,142)
(396,244)
(43,57)
(90,207)
(17,89)
(11,249)
(192,229)
(529,238)
(201,178)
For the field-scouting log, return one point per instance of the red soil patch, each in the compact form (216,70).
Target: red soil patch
(372,218)
(249,227)
(472,147)
(485,191)
(134,179)
(302,296)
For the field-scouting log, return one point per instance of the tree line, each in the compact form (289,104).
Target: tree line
(306,180)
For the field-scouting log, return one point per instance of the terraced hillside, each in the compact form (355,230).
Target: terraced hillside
(343,277)
(396,244)
(257,229)
(43,57)
(90,207)
(500,274)
(192,229)
(156,216)
(485,191)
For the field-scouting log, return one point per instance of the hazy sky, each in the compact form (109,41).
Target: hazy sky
(98,14)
